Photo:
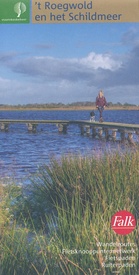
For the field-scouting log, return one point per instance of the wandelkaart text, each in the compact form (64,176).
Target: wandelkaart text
(82,11)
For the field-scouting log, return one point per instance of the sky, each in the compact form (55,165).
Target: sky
(66,63)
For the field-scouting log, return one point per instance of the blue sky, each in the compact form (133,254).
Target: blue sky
(44,63)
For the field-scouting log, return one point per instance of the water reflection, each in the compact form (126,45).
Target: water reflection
(21,152)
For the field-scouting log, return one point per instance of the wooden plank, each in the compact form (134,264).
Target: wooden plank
(33,121)
(107,124)
(78,122)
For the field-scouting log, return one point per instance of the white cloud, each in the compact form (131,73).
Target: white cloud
(104,61)
(66,68)
(48,79)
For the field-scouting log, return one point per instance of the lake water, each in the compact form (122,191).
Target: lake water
(21,152)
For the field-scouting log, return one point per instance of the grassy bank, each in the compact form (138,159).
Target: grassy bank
(56,224)
(66,108)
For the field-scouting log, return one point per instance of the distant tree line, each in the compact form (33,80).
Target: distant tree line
(62,105)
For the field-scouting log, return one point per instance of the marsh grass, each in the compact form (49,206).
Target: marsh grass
(111,180)
(68,207)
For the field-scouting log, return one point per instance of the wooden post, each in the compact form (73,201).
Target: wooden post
(106,131)
(62,128)
(100,132)
(87,130)
(114,132)
(130,137)
(4,126)
(31,127)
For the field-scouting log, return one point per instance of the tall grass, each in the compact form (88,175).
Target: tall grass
(108,181)
(59,221)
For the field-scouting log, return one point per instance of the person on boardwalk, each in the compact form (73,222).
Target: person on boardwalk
(101,103)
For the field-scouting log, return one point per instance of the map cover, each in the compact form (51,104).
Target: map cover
(69,137)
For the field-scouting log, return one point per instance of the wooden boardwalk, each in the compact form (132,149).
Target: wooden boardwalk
(108,130)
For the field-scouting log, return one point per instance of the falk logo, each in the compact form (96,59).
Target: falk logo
(19,8)
(123,222)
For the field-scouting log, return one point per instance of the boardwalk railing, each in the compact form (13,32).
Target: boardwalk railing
(107,130)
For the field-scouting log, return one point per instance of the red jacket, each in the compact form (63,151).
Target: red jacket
(101,101)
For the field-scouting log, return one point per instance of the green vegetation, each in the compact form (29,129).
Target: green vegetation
(54,225)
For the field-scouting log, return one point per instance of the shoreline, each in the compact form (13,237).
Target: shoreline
(76,108)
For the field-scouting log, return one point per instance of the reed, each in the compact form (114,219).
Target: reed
(100,181)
